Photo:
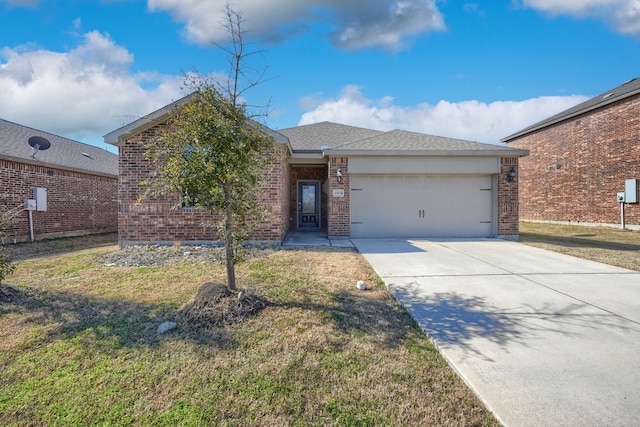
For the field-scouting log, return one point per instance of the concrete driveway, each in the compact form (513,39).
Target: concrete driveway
(544,339)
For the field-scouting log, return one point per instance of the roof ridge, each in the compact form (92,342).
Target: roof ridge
(326,122)
(629,88)
(419,134)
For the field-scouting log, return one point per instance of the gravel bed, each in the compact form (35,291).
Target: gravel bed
(144,255)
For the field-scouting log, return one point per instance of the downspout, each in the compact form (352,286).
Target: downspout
(31,225)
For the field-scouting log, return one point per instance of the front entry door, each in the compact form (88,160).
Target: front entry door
(308,205)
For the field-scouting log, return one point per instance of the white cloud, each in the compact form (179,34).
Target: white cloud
(469,120)
(622,15)
(82,93)
(356,24)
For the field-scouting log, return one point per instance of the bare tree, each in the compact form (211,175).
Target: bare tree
(214,152)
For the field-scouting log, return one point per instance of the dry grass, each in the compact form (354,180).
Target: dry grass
(612,246)
(79,347)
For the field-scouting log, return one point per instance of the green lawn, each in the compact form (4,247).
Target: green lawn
(613,246)
(79,347)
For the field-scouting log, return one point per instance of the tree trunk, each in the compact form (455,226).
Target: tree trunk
(228,238)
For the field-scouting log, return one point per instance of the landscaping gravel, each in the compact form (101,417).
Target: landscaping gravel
(161,256)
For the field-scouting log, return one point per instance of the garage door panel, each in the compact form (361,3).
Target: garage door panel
(421,206)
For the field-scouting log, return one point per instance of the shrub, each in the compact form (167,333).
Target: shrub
(6,266)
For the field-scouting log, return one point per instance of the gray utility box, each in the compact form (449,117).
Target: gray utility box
(631,191)
(40,196)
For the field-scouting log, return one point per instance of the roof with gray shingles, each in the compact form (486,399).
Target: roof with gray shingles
(348,140)
(627,89)
(325,134)
(400,140)
(63,153)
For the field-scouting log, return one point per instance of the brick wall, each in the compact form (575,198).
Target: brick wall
(158,220)
(338,216)
(575,168)
(77,203)
(508,198)
(308,173)
(274,196)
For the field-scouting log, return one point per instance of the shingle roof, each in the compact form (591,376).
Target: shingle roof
(325,134)
(627,89)
(348,140)
(400,140)
(63,153)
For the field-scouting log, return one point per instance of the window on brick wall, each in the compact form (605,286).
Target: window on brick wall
(187,202)
(188,196)
(189,199)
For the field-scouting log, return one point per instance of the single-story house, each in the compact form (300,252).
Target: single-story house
(582,161)
(56,186)
(343,180)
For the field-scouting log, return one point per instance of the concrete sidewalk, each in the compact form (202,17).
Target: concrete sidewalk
(315,238)
(544,339)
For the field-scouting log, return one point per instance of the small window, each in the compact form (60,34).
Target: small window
(187,202)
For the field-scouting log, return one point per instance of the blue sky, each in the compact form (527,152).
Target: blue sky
(472,70)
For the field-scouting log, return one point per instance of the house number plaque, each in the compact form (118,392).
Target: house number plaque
(338,193)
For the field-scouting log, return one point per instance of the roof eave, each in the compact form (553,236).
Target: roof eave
(307,154)
(119,136)
(543,124)
(430,153)
(36,162)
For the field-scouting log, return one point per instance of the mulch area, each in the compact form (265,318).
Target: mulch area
(216,305)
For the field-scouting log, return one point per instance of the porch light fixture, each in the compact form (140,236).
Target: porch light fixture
(339,175)
(512,174)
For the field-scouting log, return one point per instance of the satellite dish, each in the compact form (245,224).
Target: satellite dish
(39,143)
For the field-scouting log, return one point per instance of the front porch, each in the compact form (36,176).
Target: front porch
(315,238)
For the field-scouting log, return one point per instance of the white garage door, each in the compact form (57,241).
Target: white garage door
(422,206)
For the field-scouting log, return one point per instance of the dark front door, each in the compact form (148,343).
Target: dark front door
(308,205)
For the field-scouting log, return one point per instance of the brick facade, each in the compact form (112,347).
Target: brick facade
(339,219)
(157,220)
(576,167)
(508,220)
(77,203)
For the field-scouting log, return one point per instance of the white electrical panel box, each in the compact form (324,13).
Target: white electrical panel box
(40,195)
(621,197)
(631,190)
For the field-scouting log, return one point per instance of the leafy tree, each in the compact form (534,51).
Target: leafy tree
(213,153)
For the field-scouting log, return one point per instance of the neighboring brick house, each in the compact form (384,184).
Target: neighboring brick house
(580,159)
(341,180)
(76,184)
